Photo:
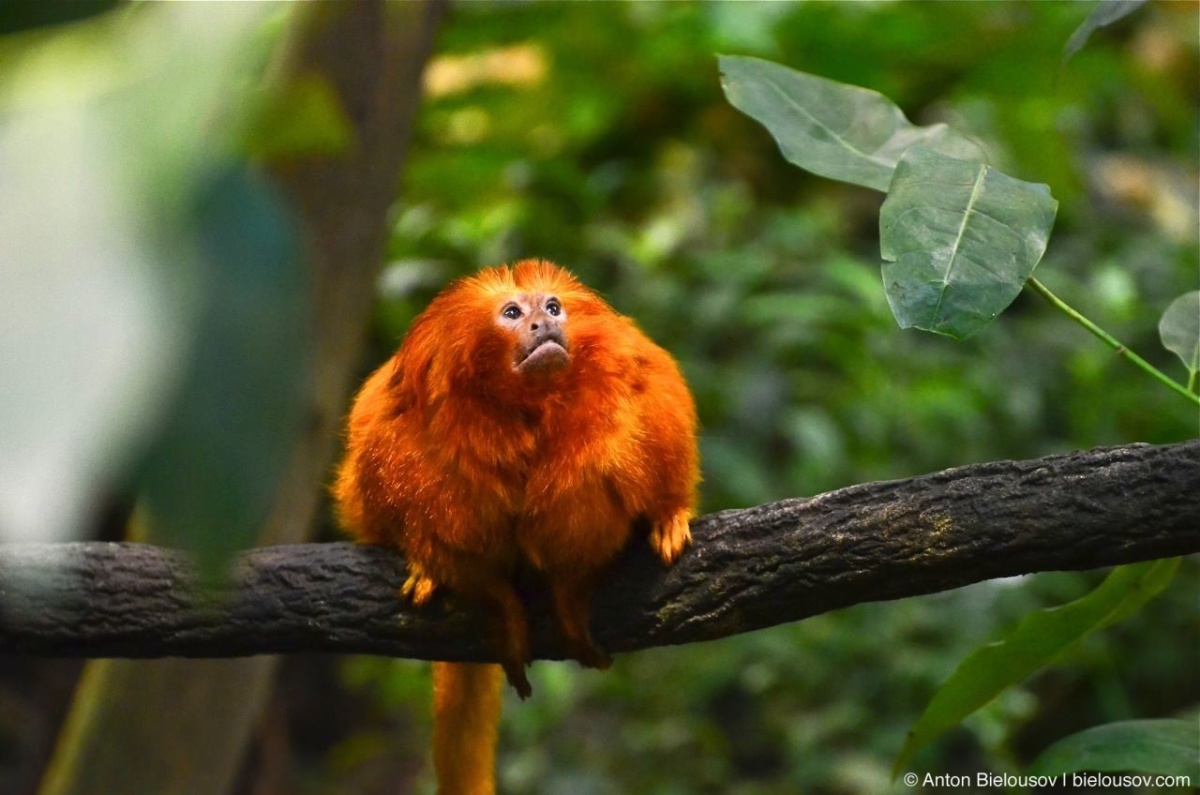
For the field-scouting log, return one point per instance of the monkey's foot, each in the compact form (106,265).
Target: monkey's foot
(515,673)
(670,536)
(417,588)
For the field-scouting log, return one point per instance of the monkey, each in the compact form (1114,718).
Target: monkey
(522,423)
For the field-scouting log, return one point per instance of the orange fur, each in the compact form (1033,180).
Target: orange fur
(472,466)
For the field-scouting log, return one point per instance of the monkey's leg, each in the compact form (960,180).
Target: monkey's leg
(514,640)
(483,582)
(508,626)
(573,608)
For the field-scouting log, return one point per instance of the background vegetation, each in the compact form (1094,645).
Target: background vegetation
(597,135)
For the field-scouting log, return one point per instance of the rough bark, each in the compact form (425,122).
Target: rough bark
(748,569)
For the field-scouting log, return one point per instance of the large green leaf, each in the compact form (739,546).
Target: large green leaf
(209,477)
(836,130)
(1040,637)
(107,130)
(1179,329)
(958,240)
(1168,747)
(152,284)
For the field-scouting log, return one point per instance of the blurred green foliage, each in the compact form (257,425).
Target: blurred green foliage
(1041,638)
(152,286)
(596,135)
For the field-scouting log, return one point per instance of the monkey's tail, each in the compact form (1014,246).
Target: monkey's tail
(466,715)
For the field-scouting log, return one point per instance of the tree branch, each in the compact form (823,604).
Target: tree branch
(748,569)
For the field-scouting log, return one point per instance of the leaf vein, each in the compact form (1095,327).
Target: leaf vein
(976,189)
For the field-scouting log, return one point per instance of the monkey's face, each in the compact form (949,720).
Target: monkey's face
(537,323)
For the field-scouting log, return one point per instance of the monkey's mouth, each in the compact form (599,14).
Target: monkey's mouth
(547,356)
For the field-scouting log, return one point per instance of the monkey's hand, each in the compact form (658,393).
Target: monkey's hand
(670,535)
(418,587)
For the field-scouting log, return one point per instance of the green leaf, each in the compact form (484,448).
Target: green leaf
(1105,13)
(209,478)
(108,129)
(1040,637)
(1166,747)
(958,240)
(836,130)
(1179,329)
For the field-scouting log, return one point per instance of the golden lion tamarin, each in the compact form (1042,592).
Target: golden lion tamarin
(522,422)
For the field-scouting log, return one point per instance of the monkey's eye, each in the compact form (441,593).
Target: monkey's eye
(553,307)
(512,311)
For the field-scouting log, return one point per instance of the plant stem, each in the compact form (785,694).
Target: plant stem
(1111,341)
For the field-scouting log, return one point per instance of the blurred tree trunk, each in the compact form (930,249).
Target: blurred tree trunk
(181,726)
